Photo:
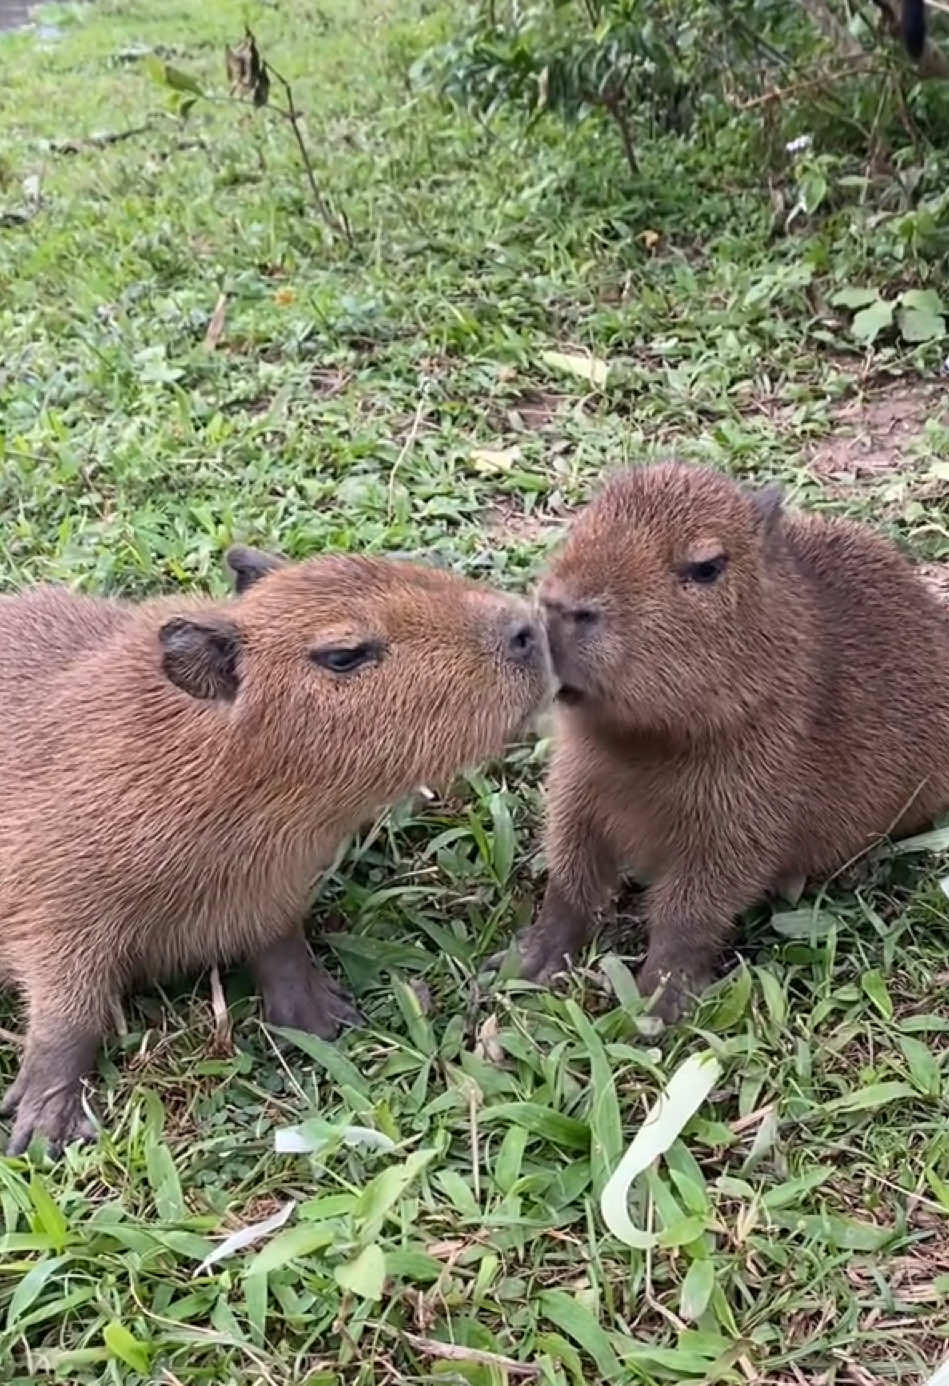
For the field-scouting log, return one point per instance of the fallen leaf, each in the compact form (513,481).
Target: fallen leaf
(685,1092)
(590,368)
(216,325)
(245,1236)
(494,459)
(486,1045)
(314,1135)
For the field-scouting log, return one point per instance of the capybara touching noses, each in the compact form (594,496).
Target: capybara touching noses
(177,774)
(748,697)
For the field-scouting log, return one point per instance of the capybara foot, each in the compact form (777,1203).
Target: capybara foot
(313,1001)
(673,989)
(299,995)
(47,1093)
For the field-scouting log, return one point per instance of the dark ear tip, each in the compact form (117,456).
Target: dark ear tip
(248,565)
(172,629)
(237,556)
(766,504)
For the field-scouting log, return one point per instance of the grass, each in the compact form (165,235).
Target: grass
(394,396)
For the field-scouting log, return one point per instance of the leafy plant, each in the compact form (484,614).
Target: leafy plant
(918,315)
(250,74)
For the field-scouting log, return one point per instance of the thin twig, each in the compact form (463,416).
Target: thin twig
(338,224)
(410,438)
(473,1135)
(779,93)
(452,1352)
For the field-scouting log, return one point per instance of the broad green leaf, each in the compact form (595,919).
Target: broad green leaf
(925,300)
(164,1182)
(923,1065)
(870,322)
(290,1245)
(416,1266)
(852,297)
(507,1163)
(846,1234)
(803,923)
(792,1190)
(688,1088)
(30,1286)
(365,1274)
(733,1002)
(416,1022)
(697,1290)
(622,981)
(578,1323)
(382,1193)
(338,1067)
(917,325)
(812,190)
(255,1299)
(875,987)
(49,1217)
(868,1099)
(606,1126)
(774,996)
(681,1233)
(542,1121)
(124,1345)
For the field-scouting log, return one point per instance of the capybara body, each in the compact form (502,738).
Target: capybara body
(177,774)
(748,697)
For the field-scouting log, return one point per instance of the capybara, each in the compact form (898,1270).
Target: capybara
(177,774)
(748,697)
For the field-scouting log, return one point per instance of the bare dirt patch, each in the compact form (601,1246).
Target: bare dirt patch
(508,521)
(873,436)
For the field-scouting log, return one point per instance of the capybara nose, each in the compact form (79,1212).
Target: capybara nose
(524,641)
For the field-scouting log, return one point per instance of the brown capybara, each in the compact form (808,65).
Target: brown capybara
(748,698)
(177,774)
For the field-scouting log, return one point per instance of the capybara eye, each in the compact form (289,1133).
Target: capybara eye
(341,659)
(585,616)
(709,570)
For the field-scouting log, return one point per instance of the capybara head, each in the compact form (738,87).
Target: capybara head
(362,676)
(656,602)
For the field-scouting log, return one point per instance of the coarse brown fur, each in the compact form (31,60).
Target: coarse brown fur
(749,698)
(177,774)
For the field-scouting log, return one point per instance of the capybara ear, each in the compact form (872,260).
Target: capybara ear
(250,565)
(767,506)
(200,657)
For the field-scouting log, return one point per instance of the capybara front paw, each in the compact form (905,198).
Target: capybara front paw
(672,989)
(313,1001)
(56,1114)
(542,955)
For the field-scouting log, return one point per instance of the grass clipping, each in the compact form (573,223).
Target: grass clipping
(687,1089)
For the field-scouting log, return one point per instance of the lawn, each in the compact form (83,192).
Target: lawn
(189,357)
